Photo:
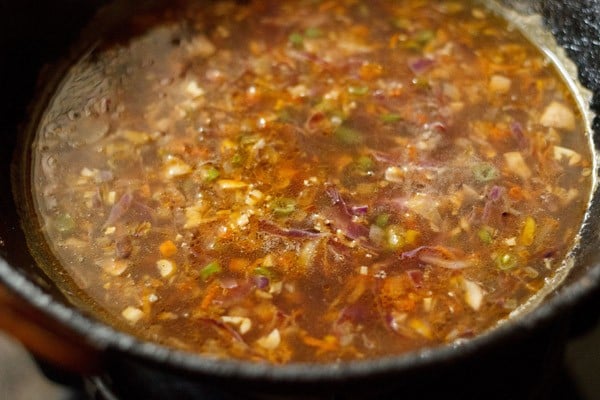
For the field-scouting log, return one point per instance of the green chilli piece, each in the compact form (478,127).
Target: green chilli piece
(210,269)
(296,39)
(382,220)
(390,118)
(506,261)
(485,235)
(282,206)
(358,90)
(210,174)
(64,223)
(313,33)
(264,271)
(365,163)
(485,172)
(348,136)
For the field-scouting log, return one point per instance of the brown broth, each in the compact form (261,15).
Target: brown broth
(312,180)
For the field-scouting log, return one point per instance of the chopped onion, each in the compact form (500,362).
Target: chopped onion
(420,65)
(119,209)
(444,263)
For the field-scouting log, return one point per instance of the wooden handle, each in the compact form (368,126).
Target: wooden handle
(46,338)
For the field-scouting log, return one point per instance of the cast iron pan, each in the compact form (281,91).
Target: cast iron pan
(513,361)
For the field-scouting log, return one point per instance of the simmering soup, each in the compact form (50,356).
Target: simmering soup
(311,181)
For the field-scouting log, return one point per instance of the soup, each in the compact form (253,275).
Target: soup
(311,181)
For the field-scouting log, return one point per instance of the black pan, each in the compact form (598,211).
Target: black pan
(516,360)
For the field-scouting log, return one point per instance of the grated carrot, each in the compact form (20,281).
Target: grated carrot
(239,265)
(210,295)
(516,193)
(328,343)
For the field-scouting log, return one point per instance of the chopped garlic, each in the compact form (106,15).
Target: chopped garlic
(193,216)
(499,84)
(115,267)
(268,261)
(558,115)
(473,294)
(135,137)
(193,89)
(298,91)
(176,167)
(88,173)
(132,314)
(427,303)
(516,164)
(394,174)
(254,197)
(275,287)
(271,341)
(364,270)
(421,327)
(111,197)
(244,324)
(563,152)
(165,267)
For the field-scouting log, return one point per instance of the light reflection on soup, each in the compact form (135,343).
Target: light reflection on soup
(312,180)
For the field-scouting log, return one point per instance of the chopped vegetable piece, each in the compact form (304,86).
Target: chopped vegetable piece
(229,184)
(391,118)
(210,174)
(210,270)
(296,39)
(282,206)
(165,267)
(485,235)
(382,220)
(506,261)
(394,237)
(64,223)
(485,172)
(348,136)
(558,115)
(168,248)
(528,232)
(516,163)
(358,90)
(267,272)
(132,314)
(313,33)
(271,341)
(473,294)
(500,84)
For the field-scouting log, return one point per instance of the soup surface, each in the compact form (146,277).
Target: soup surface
(311,180)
